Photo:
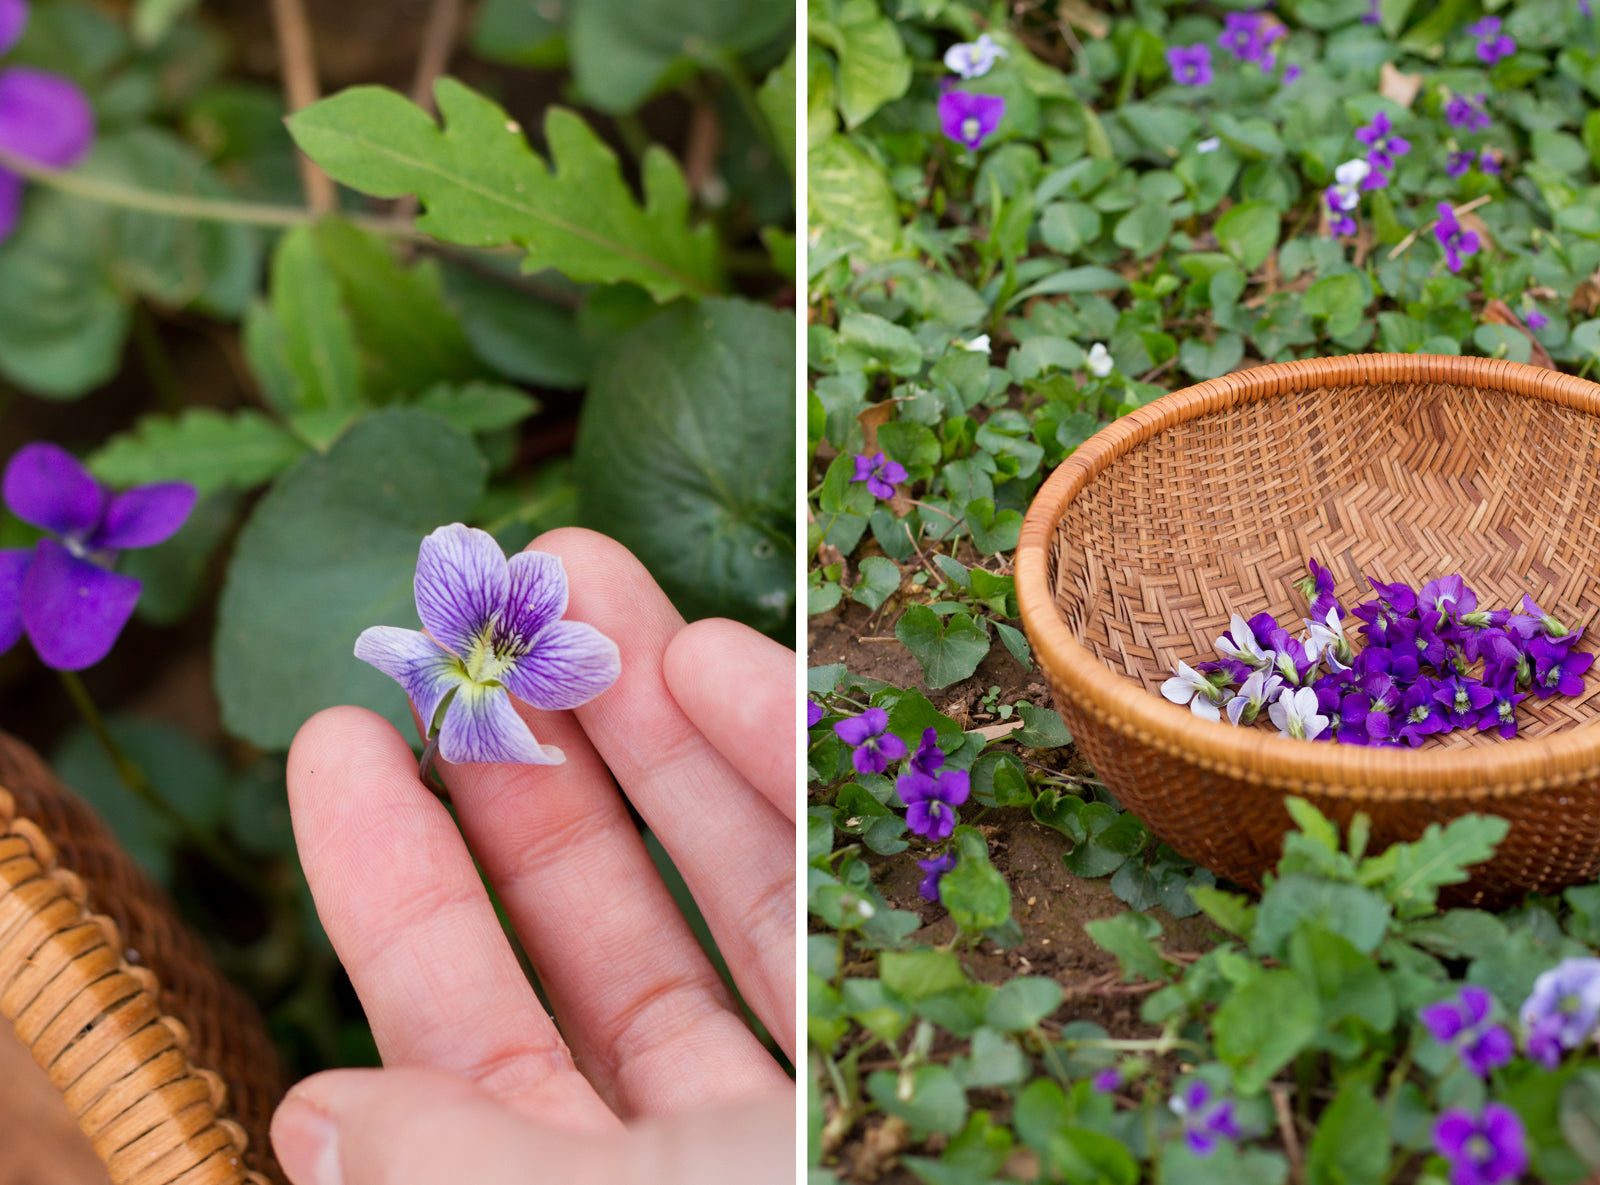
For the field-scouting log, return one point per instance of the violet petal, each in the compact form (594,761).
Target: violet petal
(144,516)
(13,567)
(538,596)
(462,584)
(73,610)
(48,487)
(44,118)
(425,669)
(570,663)
(481,725)
(13,20)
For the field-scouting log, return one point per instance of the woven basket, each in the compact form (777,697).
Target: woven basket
(164,1063)
(1209,501)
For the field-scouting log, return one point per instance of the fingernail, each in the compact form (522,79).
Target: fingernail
(307,1144)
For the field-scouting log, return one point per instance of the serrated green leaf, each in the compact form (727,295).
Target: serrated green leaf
(482,186)
(1411,874)
(1352,1138)
(1358,915)
(209,449)
(303,343)
(948,651)
(331,550)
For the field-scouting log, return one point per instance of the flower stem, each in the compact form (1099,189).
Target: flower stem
(191,206)
(133,777)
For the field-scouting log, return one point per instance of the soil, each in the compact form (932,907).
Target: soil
(1049,903)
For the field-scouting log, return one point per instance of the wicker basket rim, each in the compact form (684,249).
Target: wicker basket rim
(1257,755)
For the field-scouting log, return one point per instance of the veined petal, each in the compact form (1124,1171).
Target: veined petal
(44,117)
(13,20)
(73,610)
(425,669)
(461,585)
(144,516)
(570,664)
(480,725)
(48,487)
(538,597)
(13,567)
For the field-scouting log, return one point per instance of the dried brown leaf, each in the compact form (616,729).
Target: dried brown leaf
(1397,85)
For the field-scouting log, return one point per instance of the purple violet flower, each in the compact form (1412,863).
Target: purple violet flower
(1107,1080)
(62,592)
(1501,713)
(495,630)
(1485,1149)
(1464,700)
(974,59)
(1248,36)
(1317,587)
(931,800)
(934,871)
(1383,149)
(1190,64)
(1562,1011)
(928,757)
(1457,243)
(814,713)
(1534,621)
(1557,668)
(1291,74)
(969,119)
(1373,15)
(44,118)
(1535,320)
(1206,1117)
(1467,115)
(880,474)
(1457,164)
(874,745)
(1446,596)
(1463,1023)
(1492,43)
(1421,715)
(1489,162)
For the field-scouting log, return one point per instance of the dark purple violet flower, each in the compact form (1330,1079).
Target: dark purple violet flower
(1501,713)
(1463,1023)
(1107,1080)
(1398,663)
(1474,630)
(934,871)
(1489,162)
(1207,1117)
(495,630)
(1535,320)
(1458,164)
(1373,15)
(1534,621)
(1383,149)
(880,474)
(1556,668)
(1317,587)
(1190,64)
(1467,115)
(1505,661)
(1486,1149)
(814,713)
(1562,1011)
(1248,36)
(1420,714)
(1492,43)
(1464,700)
(875,746)
(1372,709)
(969,119)
(928,757)
(62,592)
(931,800)
(1291,74)
(1448,595)
(1457,243)
(1422,639)
(44,118)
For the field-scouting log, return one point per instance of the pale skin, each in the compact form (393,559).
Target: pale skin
(653,1076)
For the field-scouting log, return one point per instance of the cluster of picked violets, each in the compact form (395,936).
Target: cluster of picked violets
(1411,680)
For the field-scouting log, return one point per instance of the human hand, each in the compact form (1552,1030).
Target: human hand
(658,1077)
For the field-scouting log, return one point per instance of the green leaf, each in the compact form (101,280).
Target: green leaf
(1075,280)
(1210,360)
(1358,915)
(482,186)
(948,651)
(1579,1117)
(1085,1157)
(209,449)
(929,1098)
(409,337)
(1111,839)
(975,893)
(1351,1143)
(478,407)
(880,580)
(1411,874)
(847,191)
(1042,728)
(528,340)
(1347,983)
(991,532)
(1021,1003)
(1340,299)
(1262,1025)
(521,34)
(685,455)
(622,50)
(1232,911)
(1132,938)
(871,343)
(776,99)
(874,67)
(303,345)
(915,974)
(330,550)
(1143,230)
(1248,232)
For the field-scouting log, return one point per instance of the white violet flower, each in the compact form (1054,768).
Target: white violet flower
(974,59)
(1345,194)
(1099,360)
(1210,145)
(978,345)
(1190,687)
(1295,714)
(1330,641)
(1244,647)
(1259,690)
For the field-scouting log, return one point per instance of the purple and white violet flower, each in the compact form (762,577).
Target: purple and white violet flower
(1344,196)
(1207,1117)
(970,119)
(495,630)
(1384,150)
(1563,1010)
(1190,687)
(62,591)
(1492,43)
(1190,64)
(974,59)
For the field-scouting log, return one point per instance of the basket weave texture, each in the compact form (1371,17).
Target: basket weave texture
(165,1064)
(1210,500)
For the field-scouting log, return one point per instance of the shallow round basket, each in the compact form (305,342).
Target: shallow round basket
(165,1065)
(1209,502)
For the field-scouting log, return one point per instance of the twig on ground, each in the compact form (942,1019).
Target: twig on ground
(1291,1138)
(438,40)
(300,90)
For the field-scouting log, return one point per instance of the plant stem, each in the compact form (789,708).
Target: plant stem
(133,777)
(175,205)
(300,90)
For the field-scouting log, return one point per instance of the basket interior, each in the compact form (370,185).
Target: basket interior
(1403,481)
